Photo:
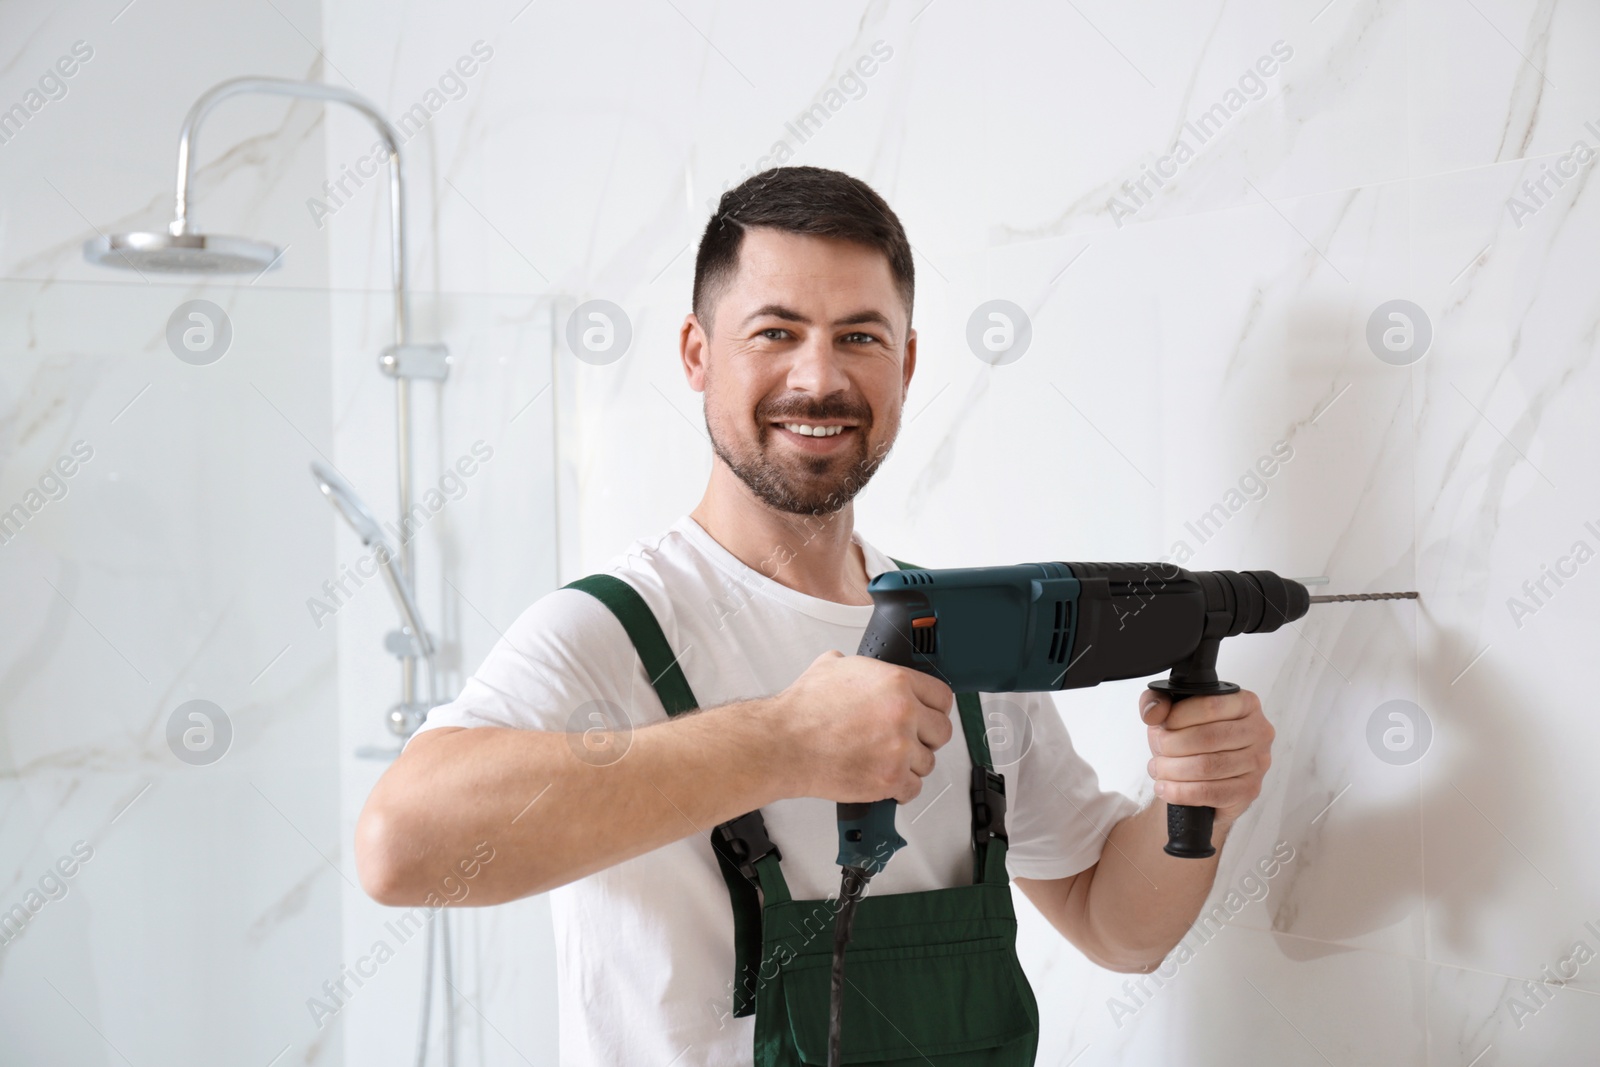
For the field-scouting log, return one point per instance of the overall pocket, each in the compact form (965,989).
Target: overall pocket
(929,977)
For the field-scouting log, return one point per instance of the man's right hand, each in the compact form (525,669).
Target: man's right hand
(850,728)
(860,730)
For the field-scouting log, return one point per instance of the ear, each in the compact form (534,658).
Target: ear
(694,349)
(910,364)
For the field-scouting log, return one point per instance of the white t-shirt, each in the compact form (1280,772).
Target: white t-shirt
(644,949)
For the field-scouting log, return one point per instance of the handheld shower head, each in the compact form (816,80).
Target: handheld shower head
(343,497)
(182,253)
(360,517)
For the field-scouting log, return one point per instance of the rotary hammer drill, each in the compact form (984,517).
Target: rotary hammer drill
(1037,627)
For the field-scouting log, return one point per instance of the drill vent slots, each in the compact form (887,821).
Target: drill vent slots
(1059,634)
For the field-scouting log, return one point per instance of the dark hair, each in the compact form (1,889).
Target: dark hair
(804,200)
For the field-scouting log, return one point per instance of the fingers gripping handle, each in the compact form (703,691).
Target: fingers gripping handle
(867,837)
(1189,826)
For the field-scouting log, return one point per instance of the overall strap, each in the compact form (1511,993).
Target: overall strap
(648,640)
(987,793)
(745,854)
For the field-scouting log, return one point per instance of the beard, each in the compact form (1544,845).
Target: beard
(800,484)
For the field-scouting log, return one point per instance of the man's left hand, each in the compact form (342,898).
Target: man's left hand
(1210,751)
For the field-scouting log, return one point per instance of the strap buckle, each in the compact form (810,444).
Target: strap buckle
(743,841)
(988,806)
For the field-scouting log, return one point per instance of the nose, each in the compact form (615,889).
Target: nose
(817,367)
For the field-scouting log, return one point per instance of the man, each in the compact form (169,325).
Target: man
(561,756)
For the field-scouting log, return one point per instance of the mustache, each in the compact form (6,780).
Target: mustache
(799,409)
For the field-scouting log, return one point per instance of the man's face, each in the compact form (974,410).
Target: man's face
(810,335)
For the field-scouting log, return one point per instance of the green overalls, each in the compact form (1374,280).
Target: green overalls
(932,977)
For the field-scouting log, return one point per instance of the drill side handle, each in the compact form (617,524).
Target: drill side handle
(1189,826)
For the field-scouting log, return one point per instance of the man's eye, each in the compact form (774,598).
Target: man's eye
(862,337)
(772,330)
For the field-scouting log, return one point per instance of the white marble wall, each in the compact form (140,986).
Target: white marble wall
(1173,345)
(172,569)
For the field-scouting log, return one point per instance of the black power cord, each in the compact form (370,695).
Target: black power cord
(852,885)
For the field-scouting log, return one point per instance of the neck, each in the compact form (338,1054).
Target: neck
(811,554)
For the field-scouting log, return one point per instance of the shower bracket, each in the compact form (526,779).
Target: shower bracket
(429,360)
(403,644)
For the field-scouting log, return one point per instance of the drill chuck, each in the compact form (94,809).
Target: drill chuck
(1141,618)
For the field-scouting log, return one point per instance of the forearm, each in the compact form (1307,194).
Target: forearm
(550,816)
(1139,901)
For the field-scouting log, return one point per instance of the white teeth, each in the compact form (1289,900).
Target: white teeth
(811,431)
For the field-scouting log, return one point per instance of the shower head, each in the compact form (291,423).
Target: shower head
(182,253)
(344,497)
(365,524)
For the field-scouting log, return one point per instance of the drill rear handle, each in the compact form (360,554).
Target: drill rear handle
(867,837)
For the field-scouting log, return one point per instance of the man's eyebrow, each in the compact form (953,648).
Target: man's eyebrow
(779,311)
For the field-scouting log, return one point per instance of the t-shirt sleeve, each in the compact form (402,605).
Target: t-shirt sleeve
(565,660)
(1057,816)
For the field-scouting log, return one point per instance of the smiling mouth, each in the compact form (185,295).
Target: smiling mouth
(816,437)
(815,429)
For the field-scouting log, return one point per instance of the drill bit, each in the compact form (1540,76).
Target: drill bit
(1362,596)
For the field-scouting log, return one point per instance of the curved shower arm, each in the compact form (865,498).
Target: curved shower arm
(397,244)
(312,91)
